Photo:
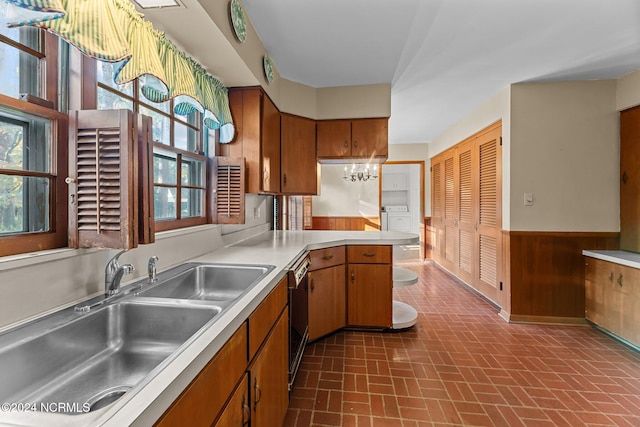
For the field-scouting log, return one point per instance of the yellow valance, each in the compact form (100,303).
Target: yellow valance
(113,31)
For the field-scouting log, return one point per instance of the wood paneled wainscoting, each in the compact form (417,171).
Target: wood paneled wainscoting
(544,274)
(346,223)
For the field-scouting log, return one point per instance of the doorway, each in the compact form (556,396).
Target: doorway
(402,203)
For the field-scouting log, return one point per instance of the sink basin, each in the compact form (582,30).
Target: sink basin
(210,282)
(92,360)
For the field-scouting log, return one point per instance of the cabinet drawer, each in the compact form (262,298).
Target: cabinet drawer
(202,401)
(263,317)
(369,254)
(329,257)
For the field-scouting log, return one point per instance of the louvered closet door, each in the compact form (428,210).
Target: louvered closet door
(227,176)
(450,220)
(103,154)
(490,212)
(437,207)
(467,213)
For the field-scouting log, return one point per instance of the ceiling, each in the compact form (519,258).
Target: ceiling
(443,58)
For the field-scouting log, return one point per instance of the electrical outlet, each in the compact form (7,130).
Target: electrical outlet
(256,213)
(528,199)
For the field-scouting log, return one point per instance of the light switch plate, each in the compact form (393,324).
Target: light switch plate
(528,199)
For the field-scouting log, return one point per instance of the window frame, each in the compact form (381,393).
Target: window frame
(56,236)
(201,140)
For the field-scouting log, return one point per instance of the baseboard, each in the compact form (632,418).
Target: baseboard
(547,320)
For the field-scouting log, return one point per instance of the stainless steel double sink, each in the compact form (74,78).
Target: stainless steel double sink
(88,356)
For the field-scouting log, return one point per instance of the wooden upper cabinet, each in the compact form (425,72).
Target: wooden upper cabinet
(353,139)
(630,180)
(370,138)
(334,138)
(257,139)
(111,204)
(298,155)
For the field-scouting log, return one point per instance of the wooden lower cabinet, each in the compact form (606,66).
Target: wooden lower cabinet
(369,292)
(612,298)
(232,388)
(268,376)
(202,401)
(369,286)
(237,413)
(327,301)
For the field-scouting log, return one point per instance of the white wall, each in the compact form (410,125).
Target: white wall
(415,152)
(31,284)
(345,198)
(565,150)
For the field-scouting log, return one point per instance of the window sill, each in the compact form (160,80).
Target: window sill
(30,258)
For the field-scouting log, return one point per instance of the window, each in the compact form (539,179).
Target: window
(33,159)
(180,143)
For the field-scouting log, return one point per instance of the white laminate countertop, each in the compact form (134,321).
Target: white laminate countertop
(630,259)
(144,404)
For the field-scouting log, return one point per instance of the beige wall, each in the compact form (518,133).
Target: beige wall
(354,101)
(565,150)
(628,91)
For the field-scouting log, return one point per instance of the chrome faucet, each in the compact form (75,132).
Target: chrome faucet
(152,269)
(113,274)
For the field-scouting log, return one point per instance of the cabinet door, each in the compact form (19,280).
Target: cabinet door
(237,412)
(369,294)
(202,401)
(327,301)
(467,213)
(270,147)
(369,138)
(630,180)
(334,138)
(598,275)
(449,217)
(298,154)
(627,283)
(269,377)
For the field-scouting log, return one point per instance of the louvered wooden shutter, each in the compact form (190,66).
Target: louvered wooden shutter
(449,189)
(103,152)
(307,212)
(227,177)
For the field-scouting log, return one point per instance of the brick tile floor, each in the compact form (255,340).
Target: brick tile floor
(464,365)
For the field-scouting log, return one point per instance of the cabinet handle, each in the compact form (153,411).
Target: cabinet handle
(311,285)
(611,277)
(620,280)
(266,174)
(355,143)
(624,177)
(246,412)
(475,226)
(327,257)
(346,144)
(257,393)
(284,179)
(369,254)
(353,276)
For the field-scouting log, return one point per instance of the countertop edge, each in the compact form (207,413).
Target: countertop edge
(629,259)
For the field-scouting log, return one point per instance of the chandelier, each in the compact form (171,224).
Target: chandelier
(360,172)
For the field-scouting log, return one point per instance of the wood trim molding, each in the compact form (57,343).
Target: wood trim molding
(548,320)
